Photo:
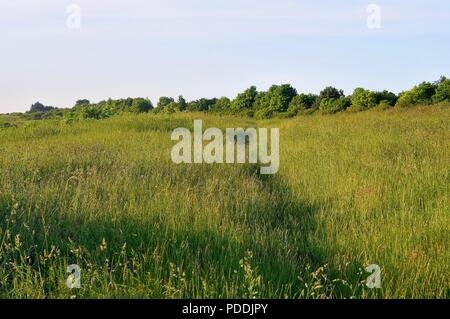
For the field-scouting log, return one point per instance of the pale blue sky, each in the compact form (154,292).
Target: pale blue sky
(214,47)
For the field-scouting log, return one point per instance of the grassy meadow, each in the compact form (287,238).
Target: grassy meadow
(353,189)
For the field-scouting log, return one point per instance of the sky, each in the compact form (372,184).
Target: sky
(214,48)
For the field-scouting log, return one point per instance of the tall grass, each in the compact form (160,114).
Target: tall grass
(352,190)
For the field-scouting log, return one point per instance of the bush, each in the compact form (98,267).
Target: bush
(262,101)
(182,104)
(300,103)
(362,98)
(276,100)
(244,100)
(171,108)
(164,101)
(442,91)
(332,105)
(201,105)
(330,93)
(39,107)
(384,105)
(420,94)
(141,105)
(222,105)
(386,97)
(280,96)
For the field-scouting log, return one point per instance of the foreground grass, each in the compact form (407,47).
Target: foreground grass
(353,190)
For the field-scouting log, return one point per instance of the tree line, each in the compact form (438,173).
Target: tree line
(278,101)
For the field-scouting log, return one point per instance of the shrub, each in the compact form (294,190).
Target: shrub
(182,104)
(164,101)
(39,107)
(280,97)
(420,94)
(301,102)
(332,105)
(172,107)
(384,105)
(276,100)
(330,93)
(201,105)
(141,105)
(244,100)
(362,98)
(442,91)
(262,101)
(386,97)
(222,105)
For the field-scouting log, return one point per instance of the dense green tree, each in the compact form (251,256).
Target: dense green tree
(164,101)
(262,101)
(182,105)
(442,90)
(82,102)
(362,98)
(280,96)
(244,100)
(388,98)
(104,109)
(125,104)
(39,107)
(91,112)
(140,105)
(330,93)
(171,108)
(222,105)
(332,100)
(333,105)
(275,100)
(419,94)
(201,105)
(302,102)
